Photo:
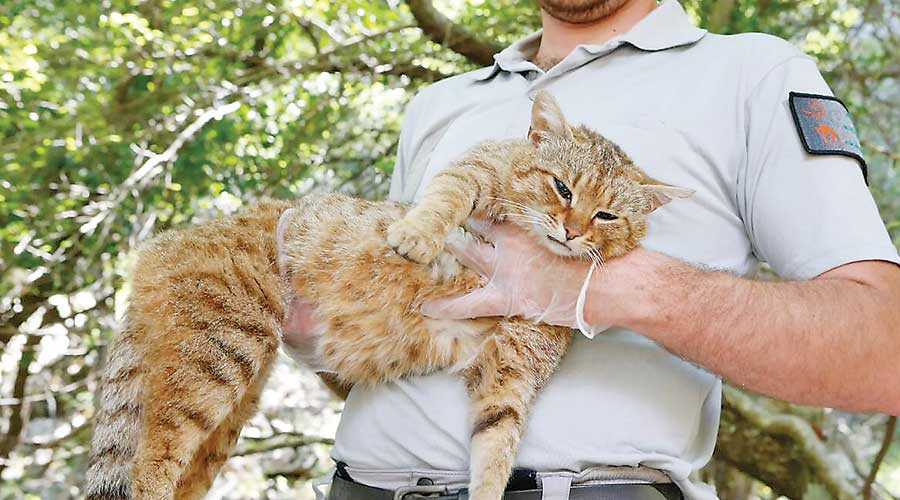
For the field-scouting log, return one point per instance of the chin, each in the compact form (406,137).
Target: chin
(559,249)
(562,250)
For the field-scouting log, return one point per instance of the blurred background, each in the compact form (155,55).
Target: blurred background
(119,119)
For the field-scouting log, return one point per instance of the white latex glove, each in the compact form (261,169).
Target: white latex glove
(524,280)
(297,335)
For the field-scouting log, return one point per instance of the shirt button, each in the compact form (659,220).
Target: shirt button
(531,75)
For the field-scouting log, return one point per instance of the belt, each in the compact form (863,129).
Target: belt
(345,488)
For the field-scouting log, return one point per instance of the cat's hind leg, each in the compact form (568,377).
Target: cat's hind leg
(214,452)
(502,383)
(192,388)
(177,421)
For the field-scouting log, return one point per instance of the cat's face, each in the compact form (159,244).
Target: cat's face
(579,194)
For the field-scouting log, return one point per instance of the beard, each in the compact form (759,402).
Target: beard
(580,11)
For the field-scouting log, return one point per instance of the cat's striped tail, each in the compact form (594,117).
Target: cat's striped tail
(118,423)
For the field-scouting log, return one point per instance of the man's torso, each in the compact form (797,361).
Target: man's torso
(678,109)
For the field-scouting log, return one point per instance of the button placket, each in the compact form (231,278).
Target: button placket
(578,58)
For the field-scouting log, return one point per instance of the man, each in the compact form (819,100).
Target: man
(748,123)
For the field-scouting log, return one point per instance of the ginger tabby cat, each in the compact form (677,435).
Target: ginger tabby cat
(203,323)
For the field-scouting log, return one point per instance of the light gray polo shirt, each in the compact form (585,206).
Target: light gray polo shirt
(694,109)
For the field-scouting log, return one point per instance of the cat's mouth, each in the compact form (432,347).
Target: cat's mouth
(554,240)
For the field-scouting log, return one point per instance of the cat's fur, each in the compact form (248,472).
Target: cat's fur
(203,323)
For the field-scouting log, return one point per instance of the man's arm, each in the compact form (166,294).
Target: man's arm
(831,341)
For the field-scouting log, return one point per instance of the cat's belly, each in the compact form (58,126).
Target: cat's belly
(376,350)
(368,298)
(470,334)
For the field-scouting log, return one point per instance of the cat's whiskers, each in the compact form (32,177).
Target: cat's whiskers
(597,257)
(520,214)
(593,258)
(525,209)
(598,262)
(509,202)
(522,217)
(528,215)
(539,226)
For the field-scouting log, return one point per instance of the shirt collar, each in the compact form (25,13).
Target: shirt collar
(666,27)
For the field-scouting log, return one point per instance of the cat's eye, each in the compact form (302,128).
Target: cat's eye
(605,215)
(563,190)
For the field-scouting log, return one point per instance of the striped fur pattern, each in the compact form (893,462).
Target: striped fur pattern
(580,196)
(202,329)
(203,323)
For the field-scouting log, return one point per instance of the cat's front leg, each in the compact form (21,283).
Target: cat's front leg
(447,202)
(416,238)
(502,382)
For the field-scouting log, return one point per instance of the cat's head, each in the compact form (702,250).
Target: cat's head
(579,193)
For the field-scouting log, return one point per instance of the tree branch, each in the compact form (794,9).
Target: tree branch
(441,30)
(782,451)
(720,17)
(250,446)
(342,59)
(18,414)
(875,148)
(879,458)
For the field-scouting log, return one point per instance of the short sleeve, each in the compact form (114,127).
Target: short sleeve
(805,213)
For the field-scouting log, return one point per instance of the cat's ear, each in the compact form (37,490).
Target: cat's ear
(659,193)
(547,119)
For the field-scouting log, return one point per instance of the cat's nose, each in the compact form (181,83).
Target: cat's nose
(571,234)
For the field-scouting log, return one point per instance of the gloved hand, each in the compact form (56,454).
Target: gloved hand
(298,327)
(297,334)
(524,280)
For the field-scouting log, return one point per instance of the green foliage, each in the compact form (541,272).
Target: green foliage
(122,118)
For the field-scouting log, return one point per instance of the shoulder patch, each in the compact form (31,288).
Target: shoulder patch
(825,127)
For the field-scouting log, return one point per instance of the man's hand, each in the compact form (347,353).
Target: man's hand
(831,341)
(300,343)
(527,281)
(524,279)
(298,333)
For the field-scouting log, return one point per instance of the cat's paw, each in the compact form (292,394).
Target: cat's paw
(416,243)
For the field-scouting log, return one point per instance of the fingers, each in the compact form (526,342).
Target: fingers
(477,304)
(481,227)
(483,257)
(489,230)
(299,323)
(475,255)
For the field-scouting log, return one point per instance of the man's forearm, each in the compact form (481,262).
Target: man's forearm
(833,341)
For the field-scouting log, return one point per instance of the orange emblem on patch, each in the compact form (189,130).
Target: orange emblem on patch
(814,109)
(828,134)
